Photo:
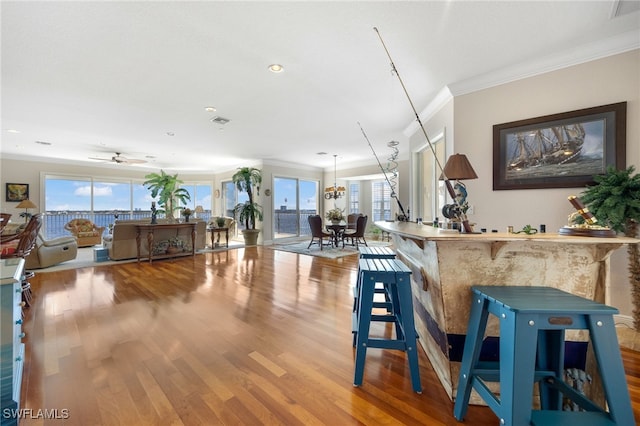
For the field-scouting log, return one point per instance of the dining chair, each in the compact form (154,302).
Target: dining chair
(317,233)
(352,220)
(356,236)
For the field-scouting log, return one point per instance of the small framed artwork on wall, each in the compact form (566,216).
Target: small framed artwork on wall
(17,192)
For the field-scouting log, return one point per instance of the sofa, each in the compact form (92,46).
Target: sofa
(86,232)
(51,252)
(123,238)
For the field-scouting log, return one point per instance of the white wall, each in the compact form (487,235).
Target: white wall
(605,81)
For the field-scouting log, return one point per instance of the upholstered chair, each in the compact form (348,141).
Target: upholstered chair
(51,252)
(86,232)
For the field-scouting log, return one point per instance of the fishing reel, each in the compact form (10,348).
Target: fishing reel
(451,211)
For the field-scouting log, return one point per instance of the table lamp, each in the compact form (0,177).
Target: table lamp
(26,205)
(197,211)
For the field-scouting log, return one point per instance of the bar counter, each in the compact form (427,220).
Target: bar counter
(445,264)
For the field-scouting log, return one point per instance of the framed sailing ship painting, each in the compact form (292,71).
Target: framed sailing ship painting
(563,150)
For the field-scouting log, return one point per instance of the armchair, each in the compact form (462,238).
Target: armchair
(51,252)
(86,232)
(227,222)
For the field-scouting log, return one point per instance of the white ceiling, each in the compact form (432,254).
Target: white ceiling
(94,78)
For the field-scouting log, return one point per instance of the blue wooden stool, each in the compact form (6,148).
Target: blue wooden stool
(396,277)
(374,253)
(533,321)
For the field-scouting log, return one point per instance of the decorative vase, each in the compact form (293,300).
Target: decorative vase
(186,218)
(173,250)
(335,222)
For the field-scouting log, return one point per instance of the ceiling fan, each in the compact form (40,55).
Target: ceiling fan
(119,159)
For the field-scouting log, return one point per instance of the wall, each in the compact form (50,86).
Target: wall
(604,81)
(19,171)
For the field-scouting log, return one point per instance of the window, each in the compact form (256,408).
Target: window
(100,200)
(70,197)
(294,201)
(381,200)
(200,196)
(354,197)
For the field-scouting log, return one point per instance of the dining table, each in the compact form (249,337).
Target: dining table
(337,229)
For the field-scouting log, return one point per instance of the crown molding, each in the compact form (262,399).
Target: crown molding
(440,100)
(587,52)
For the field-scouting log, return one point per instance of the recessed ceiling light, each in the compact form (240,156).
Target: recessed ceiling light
(209,108)
(276,68)
(13,131)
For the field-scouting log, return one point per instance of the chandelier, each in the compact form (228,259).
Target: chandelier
(334,191)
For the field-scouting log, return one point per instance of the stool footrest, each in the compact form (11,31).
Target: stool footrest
(563,418)
(386,344)
(489,371)
(383,318)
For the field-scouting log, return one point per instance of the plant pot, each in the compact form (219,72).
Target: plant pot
(250,236)
(335,222)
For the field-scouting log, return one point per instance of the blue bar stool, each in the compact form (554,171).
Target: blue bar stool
(533,321)
(374,253)
(396,277)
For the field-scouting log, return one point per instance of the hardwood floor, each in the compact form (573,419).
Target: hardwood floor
(244,337)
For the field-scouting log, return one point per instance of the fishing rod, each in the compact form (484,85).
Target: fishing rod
(459,211)
(404,217)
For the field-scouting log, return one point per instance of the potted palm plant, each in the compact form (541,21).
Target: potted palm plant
(248,179)
(167,188)
(615,201)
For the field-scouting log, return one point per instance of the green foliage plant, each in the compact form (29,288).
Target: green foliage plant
(248,179)
(167,188)
(615,201)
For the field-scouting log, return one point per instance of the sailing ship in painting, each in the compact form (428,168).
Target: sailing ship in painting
(558,150)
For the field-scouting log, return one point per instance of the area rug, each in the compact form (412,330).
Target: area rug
(328,252)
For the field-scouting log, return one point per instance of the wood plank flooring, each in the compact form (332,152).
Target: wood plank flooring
(243,337)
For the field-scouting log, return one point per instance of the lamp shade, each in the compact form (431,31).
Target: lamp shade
(199,209)
(26,204)
(458,168)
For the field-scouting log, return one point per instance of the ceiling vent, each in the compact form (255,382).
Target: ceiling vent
(220,120)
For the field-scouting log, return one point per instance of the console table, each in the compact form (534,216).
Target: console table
(150,230)
(12,348)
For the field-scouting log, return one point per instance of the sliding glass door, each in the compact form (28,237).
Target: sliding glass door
(294,201)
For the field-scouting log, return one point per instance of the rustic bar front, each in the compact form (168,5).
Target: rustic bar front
(446,264)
